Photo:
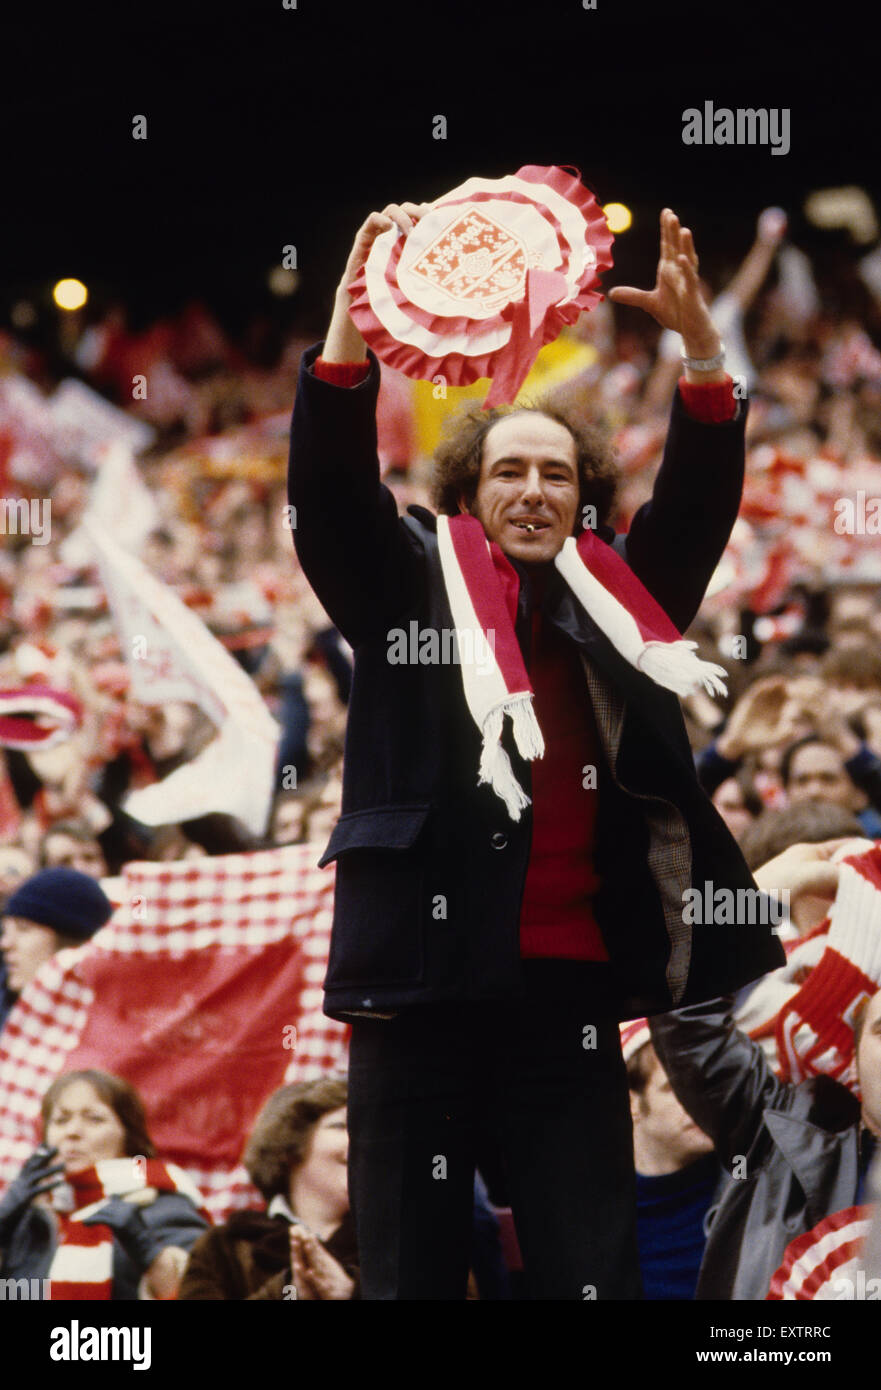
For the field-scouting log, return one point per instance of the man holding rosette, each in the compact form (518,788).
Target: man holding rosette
(520,825)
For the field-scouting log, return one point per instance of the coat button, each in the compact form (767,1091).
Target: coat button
(499,840)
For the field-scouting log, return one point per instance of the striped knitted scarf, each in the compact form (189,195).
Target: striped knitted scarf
(82,1267)
(482,588)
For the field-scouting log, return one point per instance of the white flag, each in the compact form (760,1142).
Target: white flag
(172,656)
(120,502)
(83,421)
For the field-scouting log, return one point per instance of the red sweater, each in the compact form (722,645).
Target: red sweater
(556,915)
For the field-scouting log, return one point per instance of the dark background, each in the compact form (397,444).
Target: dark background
(269,126)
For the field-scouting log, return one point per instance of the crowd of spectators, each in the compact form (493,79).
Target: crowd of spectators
(792,762)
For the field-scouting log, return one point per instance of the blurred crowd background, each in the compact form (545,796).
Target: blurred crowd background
(795,597)
(792,758)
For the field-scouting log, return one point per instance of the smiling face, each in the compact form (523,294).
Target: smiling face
(84,1128)
(528,477)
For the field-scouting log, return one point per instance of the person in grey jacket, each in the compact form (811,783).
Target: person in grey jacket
(794,1153)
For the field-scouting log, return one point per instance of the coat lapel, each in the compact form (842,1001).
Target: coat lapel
(825,1164)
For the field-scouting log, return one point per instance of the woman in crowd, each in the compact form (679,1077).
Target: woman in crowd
(303,1244)
(93,1210)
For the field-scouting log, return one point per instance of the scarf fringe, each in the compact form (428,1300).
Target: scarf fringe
(675,666)
(527,734)
(495,765)
(501,687)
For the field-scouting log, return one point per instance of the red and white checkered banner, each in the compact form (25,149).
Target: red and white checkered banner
(493,271)
(172,656)
(204,991)
(826,1262)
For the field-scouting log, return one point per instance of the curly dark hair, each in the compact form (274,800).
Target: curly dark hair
(458,457)
(280,1137)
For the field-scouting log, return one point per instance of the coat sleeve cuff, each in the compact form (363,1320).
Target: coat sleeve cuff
(712,404)
(341,373)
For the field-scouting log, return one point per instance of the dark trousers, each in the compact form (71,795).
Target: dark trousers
(542,1079)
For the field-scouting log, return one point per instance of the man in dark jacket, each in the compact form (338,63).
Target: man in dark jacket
(484,959)
(796,1153)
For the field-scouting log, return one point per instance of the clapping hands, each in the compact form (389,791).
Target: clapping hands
(316,1274)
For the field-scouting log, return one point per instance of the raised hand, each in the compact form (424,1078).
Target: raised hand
(764,717)
(821,707)
(38,1175)
(676,302)
(771,226)
(138,1240)
(806,870)
(402,215)
(343,342)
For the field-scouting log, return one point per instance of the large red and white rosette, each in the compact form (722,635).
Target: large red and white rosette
(490,274)
(825,1262)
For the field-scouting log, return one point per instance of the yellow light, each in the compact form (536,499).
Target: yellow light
(282,282)
(70,294)
(618,217)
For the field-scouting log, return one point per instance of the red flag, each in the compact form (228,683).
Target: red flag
(203,990)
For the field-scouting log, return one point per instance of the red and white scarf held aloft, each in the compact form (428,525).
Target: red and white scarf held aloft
(482,588)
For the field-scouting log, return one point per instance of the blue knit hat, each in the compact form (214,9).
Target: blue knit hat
(69,902)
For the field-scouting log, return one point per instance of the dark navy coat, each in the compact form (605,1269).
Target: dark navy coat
(430,868)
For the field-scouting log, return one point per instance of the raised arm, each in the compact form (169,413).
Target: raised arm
(677,539)
(343,342)
(719,1075)
(353,550)
(765,716)
(753,271)
(676,301)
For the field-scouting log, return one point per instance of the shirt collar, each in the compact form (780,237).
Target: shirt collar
(279,1207)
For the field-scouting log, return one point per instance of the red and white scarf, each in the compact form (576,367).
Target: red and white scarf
(35,716)
(482,587)
(82,1267)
